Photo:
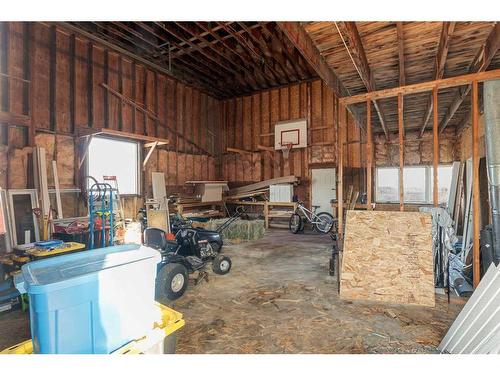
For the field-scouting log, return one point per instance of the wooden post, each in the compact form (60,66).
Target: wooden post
(401,151)
(475,186)
(369,154)
(435,154)
(341,122)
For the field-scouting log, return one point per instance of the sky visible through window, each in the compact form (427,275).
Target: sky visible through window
(109,157)
(417,181)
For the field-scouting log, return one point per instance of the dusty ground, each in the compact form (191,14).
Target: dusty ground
(278,298)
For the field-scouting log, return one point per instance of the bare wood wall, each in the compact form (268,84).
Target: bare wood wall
(247,118)
(66,74)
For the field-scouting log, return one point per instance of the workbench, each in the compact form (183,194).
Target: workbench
(268,209)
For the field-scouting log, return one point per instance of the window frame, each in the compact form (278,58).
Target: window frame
(428,184)
(138,179)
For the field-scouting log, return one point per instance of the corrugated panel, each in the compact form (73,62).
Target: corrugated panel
(477,327)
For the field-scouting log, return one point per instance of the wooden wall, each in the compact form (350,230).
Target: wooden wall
(246,118)
(66,74)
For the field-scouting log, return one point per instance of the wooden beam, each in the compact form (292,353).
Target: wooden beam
(435,153)
(479,64)
(369,154)
(299,38)
(401,53)
(401,151)
(85,132)
(361,64)
(422,87)
(341,126)
(475,186)
(14,119)
(439,63)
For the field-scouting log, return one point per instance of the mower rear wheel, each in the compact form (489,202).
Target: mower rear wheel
(221,265)
(171,283)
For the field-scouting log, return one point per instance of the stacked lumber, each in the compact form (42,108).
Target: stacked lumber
(259,189)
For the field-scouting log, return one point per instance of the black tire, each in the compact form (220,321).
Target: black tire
(295,223)
(221,264)
(329,221)
(216,246)
(3,274)
(168,290)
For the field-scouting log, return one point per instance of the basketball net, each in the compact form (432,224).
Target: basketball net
(285,149)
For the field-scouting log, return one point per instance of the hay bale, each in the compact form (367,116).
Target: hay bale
(239,231)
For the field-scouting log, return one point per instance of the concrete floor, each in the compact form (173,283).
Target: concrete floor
(279,298)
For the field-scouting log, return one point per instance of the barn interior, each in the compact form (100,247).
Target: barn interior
(336,175)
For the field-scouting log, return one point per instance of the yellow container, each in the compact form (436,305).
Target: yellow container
(161,339)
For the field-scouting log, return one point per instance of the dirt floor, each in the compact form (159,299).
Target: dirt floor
(279,298)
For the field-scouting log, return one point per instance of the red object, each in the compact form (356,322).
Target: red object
(170,236)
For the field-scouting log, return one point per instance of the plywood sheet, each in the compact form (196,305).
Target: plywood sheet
(388,257)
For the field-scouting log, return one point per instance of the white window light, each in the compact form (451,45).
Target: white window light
(111,157)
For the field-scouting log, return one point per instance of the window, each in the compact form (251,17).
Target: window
(109,157)
(387,185)
(417,184)
(414,183)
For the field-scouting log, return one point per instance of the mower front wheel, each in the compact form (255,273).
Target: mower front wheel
(171,283)
(221,265)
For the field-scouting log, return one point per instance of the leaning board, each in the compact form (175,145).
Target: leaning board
(388,257)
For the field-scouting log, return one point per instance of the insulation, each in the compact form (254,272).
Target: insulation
(388,257)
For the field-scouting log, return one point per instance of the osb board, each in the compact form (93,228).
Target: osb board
(388,257)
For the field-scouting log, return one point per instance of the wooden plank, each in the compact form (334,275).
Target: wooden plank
(369,154)
(357,52)
(401,53)
(442,53)
(423,87)
(299,38)
(387,257)
(263,184)
(122,134)
(435,142)
(476,272)
(401,151)
(341,129)
(483,59)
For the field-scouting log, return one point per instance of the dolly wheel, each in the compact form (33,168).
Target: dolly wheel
(221,264)
(171,283)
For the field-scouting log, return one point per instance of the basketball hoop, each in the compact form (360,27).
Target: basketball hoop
(285,149)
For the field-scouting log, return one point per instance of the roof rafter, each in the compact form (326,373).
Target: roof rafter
(401,53)
(299,38)
(439,64)
(479,64)
(360,61)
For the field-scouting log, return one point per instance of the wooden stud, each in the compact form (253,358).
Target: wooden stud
(435,140)
(369,155)
(401,152)
(90,86)
(476,272)
(341,124)
(72,79)
(52,78)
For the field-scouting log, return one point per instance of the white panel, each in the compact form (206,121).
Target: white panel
(294,132)
(477,327)
(281,193)
(159,189)
(323,188)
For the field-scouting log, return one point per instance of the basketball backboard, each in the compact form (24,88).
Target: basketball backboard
(290,132)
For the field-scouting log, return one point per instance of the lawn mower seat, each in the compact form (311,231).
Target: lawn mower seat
(8,291)
(156,238)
